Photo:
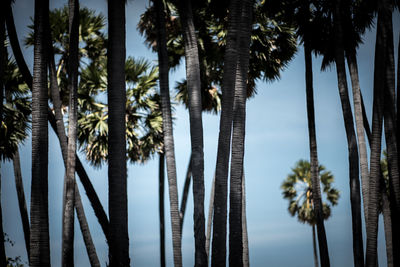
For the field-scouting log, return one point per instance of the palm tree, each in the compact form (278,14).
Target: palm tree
(238,134)
(167,131)
(39,234)
(116,95)
(69,190)
(196,128)
(298,189)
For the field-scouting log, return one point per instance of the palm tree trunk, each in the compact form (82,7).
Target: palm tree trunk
(117,183)
(218,257)
(161,175)
(3,259)
(55,123)
(19,185)
(377,117)
(210,218)
(39,233)
(398,101)
(238,137)
(323,245)
(196,128)
(355,197)
(389,113)
(316,264)
(246,261)
(387,222)
(68,208)
(352,65)
(167,132)
(185,193)
(87,238)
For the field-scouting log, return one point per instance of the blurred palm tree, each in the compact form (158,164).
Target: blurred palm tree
(298,190)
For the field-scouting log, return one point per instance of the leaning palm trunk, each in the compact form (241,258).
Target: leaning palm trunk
(196,129)
(167,132)
(161,175)
(21,198)
(39,233)
(185,193)
(68,207)
(218,257)
(116,95)
(377,117)
(210,218)
(358,113)
(3,258)
(355,197)
(87,238)
(316,264)
(323,245)
(238,134)
(387,222)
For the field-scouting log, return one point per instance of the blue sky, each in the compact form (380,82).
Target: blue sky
(276,137)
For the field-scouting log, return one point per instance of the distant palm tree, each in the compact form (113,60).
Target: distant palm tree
(297,188)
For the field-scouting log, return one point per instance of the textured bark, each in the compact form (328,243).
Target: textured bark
(355,198)
(389,113)
(238,137)
(316,264)
(161,175)
(19,185)
(196,129)
(377,117)
(358,113)
(87,237)
(315,183)
(185,193)
(39,233)
(116,95)
(3,259)
(387,222)
(246,261)
(69,203)
(210,218)
(218,257)
(167,132)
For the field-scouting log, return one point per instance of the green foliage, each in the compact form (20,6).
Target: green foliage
(298,190)
(16,111)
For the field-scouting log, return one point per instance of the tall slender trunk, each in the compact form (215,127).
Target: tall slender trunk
(358,113)
(246,261)
(19,185)
(3,259)
(116,94)
(185,192)
(376,142)
(355,197)
(210,218)
(398,100)
(69,203)
(387,222)
(389,113)
(196,129)
(161,175)
(167,132)
(39,233)
(238,137)
(323,245)
(316,264)
(87,238)
(218,257)
(57,127)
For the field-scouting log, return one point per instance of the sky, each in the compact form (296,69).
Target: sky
(276,138)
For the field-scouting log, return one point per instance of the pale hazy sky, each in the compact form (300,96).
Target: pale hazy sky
(276,137)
